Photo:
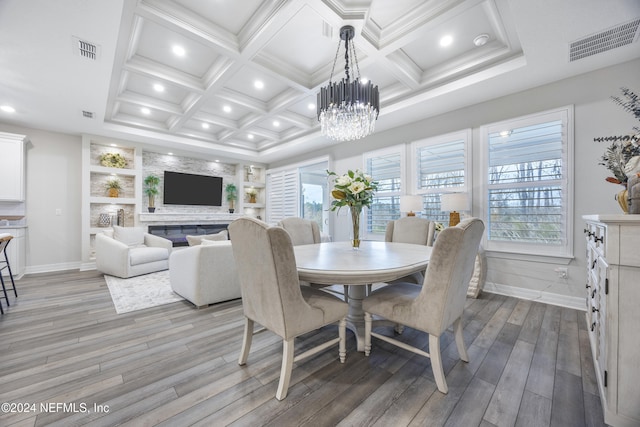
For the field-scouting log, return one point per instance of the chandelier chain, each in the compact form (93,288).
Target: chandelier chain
(335,59)
(355,59)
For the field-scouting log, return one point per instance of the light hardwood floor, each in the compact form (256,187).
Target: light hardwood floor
(61,342)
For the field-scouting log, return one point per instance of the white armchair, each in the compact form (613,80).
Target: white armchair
(130,251)
(205,274)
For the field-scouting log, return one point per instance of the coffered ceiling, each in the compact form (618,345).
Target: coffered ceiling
(244,81)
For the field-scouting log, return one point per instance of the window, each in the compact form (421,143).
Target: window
(528,202)
(385,166)
(441,166)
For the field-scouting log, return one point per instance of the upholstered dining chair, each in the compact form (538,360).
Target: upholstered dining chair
(272,295)
(438,303)
(307,232)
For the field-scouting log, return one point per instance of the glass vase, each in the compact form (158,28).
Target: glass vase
(355,223)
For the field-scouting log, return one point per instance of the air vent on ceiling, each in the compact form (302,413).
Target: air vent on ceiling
(87,114)
(612,38)
(85,49)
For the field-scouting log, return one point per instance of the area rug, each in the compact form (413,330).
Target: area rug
(136,293)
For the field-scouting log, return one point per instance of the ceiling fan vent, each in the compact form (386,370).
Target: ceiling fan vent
(612,38)
(85,49)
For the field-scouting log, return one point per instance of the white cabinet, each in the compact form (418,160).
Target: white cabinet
(16,251)
(12,167)
(613,313)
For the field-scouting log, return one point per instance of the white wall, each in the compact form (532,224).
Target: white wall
(53,183)
(595,115)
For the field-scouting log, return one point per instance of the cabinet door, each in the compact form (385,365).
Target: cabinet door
(12,171)
(599,311)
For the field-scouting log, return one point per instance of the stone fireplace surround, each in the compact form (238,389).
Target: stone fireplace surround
(176,226)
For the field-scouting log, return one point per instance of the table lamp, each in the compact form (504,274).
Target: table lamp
(454,203)
(409,204)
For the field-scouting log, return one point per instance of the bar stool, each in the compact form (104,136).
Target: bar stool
(5,238)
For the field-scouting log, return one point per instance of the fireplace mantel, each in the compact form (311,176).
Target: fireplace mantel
(186,218)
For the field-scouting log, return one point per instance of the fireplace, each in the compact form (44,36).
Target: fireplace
(178,233)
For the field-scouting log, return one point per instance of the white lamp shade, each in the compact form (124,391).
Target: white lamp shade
(410,203)
(454,202)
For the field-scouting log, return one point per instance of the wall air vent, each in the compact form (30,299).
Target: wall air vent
(612,38)
(85,49)
(87,114)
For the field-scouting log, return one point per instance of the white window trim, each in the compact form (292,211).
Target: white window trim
(404,182)
(564,251)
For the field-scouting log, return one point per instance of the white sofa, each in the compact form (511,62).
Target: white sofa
(205,274)
(130,251)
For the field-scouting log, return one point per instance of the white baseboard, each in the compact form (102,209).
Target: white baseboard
(48,268)
(533,295)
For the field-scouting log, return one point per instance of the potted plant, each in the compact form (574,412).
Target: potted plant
(232,195)
(151,190)
(113,187)
(252,193)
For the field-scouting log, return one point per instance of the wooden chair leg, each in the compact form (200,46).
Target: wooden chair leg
(436,363)
(367,333)
(342,334)
(246,341)
(462,349)
(287,367)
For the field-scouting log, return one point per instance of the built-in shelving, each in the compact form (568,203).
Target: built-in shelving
(252,177)
(95,199)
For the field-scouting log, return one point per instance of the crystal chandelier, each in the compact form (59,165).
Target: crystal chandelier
(348,110)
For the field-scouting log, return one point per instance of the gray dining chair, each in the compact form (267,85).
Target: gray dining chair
(438,303)
(272,295)
(307,232)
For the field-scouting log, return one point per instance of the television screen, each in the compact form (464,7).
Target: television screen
(190,189)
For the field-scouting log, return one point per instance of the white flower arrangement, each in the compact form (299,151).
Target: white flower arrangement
(354,189)
(251,191)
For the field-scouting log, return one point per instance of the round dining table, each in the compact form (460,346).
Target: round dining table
(337,263)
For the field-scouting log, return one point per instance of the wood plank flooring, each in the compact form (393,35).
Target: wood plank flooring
(67,355)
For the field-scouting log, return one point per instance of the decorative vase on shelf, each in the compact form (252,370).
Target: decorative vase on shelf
(104,220)
(355,224)
(252,198)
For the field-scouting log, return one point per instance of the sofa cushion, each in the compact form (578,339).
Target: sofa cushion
(197,240)
(207,242)
(144,255)
(130,236)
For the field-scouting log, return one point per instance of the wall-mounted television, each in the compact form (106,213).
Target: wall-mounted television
(190,189)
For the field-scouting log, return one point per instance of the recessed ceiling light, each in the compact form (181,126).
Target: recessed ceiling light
(205,126)
(8,109)
(276,123)
(311,106)
(446,41)
(178,50)
(145,110)
(258,84)
(158,87)
(217,161)
(226,109)
(113,145)
(171,154)
(481,40)
(250,136)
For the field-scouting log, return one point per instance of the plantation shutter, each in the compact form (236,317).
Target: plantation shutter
(527,191)
(440,169)
(386,169)
(283,195)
